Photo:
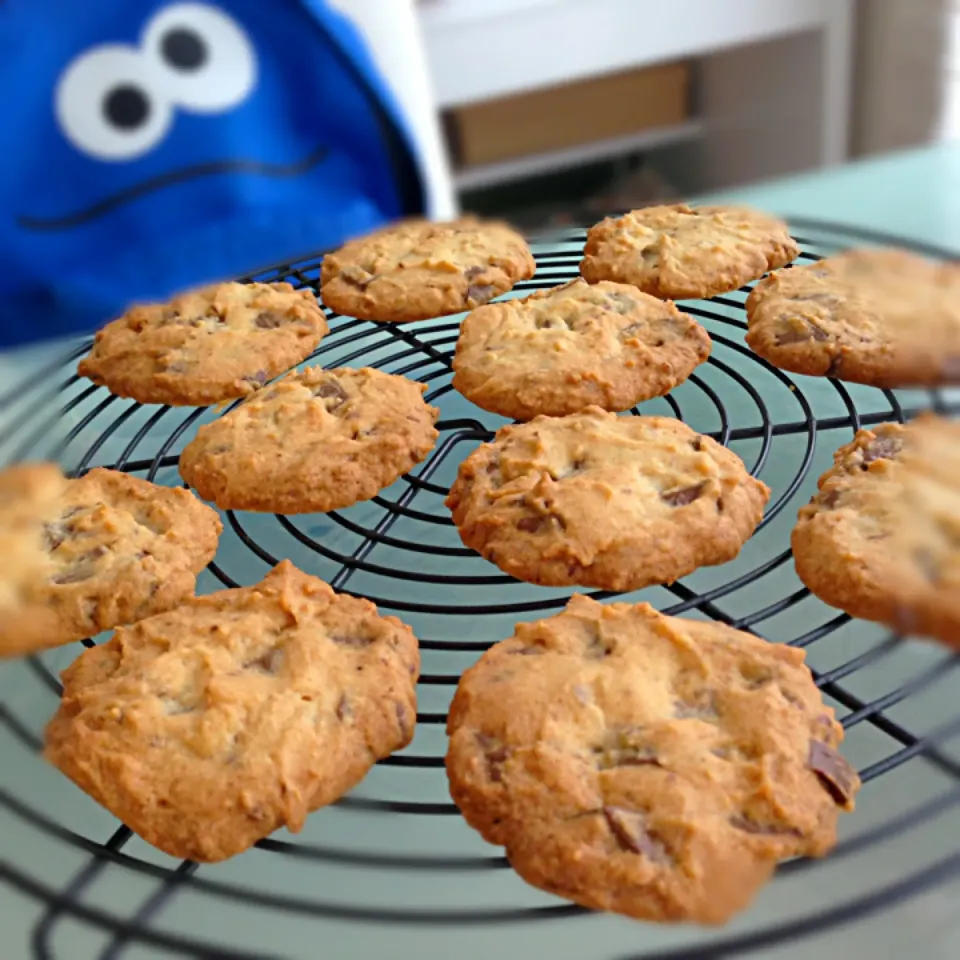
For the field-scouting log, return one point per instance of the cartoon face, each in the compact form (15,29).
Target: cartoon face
(169,143)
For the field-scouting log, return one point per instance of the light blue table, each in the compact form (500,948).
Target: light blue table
(914,195)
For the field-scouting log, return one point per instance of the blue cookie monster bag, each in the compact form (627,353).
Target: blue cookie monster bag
(150,146)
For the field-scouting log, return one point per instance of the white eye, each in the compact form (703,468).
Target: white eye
(107,105)
(206,61)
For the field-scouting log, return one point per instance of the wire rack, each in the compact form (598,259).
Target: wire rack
(392,870)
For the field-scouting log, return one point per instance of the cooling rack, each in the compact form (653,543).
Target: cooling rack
(392,870)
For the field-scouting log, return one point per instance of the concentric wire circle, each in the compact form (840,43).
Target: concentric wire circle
(394,855)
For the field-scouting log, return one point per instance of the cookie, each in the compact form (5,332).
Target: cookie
(85,555)
(576,345)
(317,440)
(415,269)
(880,539)
(681,252)
(650,765)
(885,318)
(604,501)
(206,346)
(206,728)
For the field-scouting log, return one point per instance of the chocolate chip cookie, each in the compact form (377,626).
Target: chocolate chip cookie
(206,728)
(604,501)
(681,252)
(206,346)
(316,440)
(650,765)
(881,537)
(885,318)
(85,555)
(415,270)
(576,345)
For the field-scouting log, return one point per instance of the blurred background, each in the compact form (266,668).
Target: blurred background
(560,111)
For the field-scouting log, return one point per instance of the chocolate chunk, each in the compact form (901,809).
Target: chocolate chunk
(826,299)
(496,755)
(540,522)
(627,827)
(749,825)
(625,748)
(829,498)
(650,255)
(259,378)
(351,641)
(54,534)
(333,393)
(683,496)
(623,304)
(269,663)
(178,366)
(808,330)
(402,718)
(928,564)
(632,331)
(269,320)
(838,778)
(344,710)
(836,363)
(480,293)
(475,272)
(883,448)
(697,444)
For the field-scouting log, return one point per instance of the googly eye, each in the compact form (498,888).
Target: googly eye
(107,105)
(206,61)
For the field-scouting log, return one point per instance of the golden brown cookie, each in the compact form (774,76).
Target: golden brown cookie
(86,555)
(679,252)
(886,318)
(415,269)
(604,501)
(206,728)
(317,440)
(574,346)
(650,765)
(881,538)
(206,346)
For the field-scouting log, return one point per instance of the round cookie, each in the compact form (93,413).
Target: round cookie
(85,555)
(885,318)
(604,501)
(576,345)
(416,270)
(206,346)
(881,538)
(650,765)
(678,252)
(317,440)
(206,728)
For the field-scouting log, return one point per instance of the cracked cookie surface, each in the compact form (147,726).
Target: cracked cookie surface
(206,346)
(316,440)
(885,318)
(645,764)
(681,252)
(880,540)
(415,270)
(206,728)
(604,501)
(86,555)
(576,345)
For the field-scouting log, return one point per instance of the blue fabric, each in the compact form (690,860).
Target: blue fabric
(152,146)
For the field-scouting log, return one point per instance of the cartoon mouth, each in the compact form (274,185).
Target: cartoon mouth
(183,175)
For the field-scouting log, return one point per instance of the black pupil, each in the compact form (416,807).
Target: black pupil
(183,49)
(126,107)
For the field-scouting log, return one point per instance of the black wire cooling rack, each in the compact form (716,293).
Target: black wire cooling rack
(391,870)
